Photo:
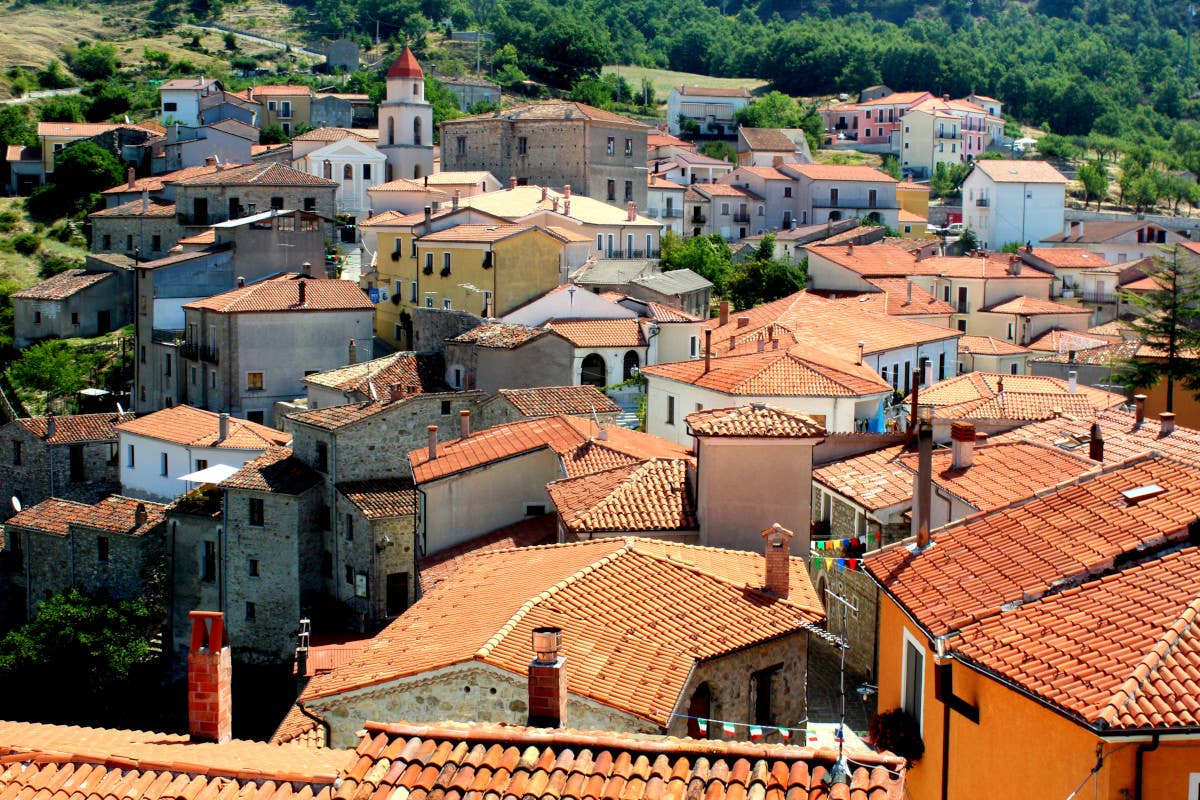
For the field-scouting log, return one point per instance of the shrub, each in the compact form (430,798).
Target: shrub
(50,264)
(8,221)
(899,732)
(26,243)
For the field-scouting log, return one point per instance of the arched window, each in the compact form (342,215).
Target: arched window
(699,707)
(391,130)
(834,216)
(593,371)
(417,130)
(347,173)
(632,362)
(416,170)
(873,217)
(327,170)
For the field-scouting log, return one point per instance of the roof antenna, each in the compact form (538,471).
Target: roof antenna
(840,772)
(601,434)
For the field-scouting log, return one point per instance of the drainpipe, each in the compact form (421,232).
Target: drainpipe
(322,722)
(1142,749)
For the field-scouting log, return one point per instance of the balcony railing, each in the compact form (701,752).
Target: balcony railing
(851,205)
(673,213)
(699,218)
(741,216)
(629,254)
(1098,297)
(962,307)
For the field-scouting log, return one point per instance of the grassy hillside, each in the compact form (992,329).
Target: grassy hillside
(664,79)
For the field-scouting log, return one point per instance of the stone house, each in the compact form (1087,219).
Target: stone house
(375,558)
(730,641)
(159,187)
(241,191)
(70,457)
(117,545)
(342,55)
(554,143)
(145,229)
(512,405)
(471,90)
(359,381)
(194,534)
(248,348)
(74,303)
(499,355)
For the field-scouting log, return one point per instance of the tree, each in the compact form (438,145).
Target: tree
(1094,178)
(947,178)
(1168,323)
(763,278)
(272,134)
(50,367)
(16,127)
(93,62)
(707,256)
(777,110)
(231,43)
(91,170)
(968,241)
(570,48)
(53,77)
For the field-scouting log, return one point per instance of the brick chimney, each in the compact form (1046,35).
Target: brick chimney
(300,285)
(139,516)
(1096,444)
(222,427)
(512,182)
(130,177)
(457,197)
(567,191)
(707,350)
(554,204)
(1139,403)
(850,249)
(778,559)
(724,318)
(762,344)
(210,678)
(241,282)
(630,212)
(396,391)
(432,429)
(743,321)
(547,680)
(962,445)
(464,423)
(1166,422)
(351,353)
(923,496)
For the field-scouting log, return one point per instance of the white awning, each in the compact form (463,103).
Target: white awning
(214,474)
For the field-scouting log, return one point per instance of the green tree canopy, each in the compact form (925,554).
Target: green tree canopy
(764,278)
(93,62)
(707,256)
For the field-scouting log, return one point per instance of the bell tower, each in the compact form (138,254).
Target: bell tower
(406,121)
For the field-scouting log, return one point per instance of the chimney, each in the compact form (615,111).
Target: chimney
(210,679)
(432,429)
(1139,403)
(1029,247)
(130,177)
(464,423)
(512,182)
(850,249)
(544,191)
(426,181)
(222,427)
(300,286)
(945,98)
(861,346)
(762,344)
(962,445)
(457,197)
(1096,444)
(908,302)
(567,207)
(567,191)
(1166,422)
(923,496)
(631,212)
(211,161)
(774,344)
(351,353)
(1072,381)
(776,161)
(51,425)
(724,318)
(547,680)
(554,204)
(428,218)
(778,559)
(139,516)
(396,392)
(743,321)
(241,282)
(707,349)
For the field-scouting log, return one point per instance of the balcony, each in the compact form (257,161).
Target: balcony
(672,213)
(741,216)
(192,351)
(1098,297)
(700,218)
(962,308)
(629,254)
(850,205)
(982,202)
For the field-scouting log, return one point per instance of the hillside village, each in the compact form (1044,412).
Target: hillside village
(541,453)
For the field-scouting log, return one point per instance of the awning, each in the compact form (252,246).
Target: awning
(214,474)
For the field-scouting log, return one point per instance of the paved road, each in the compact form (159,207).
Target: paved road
(254,37)
(38,95)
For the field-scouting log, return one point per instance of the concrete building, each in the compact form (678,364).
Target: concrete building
(831,192)
(285,106)
(229,141)
(248,348)
(769,147)
(554,143)
(1117,242)
(406,121)
(498,355)
(989,354)
(1013,201)
(471,91)
(346,158)
(74,303)
(180,99)
(708,109)
(157,449)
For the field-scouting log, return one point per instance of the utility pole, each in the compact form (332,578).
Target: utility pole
(478,44)
(377,32)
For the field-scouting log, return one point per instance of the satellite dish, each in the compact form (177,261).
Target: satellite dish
(119,409)
(16,504)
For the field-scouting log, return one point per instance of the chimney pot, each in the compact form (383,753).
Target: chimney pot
(464,422)
(1166,422)
(428,218)
(351,353)
(724,318)
(210,161)
(547,680)
(139,516)
(209,678)
(1096,443)
(567,191)
(241,282)
(432,430)
(861,347)
(567,206)
(426,181)
(1072,381)
(512,182)
(222,426)
(1139,401)
(778,566)
(396,391)
(962,442)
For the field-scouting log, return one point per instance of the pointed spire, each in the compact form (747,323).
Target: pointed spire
(406,66)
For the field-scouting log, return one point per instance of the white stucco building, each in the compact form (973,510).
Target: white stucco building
(1013,201)
(347,158)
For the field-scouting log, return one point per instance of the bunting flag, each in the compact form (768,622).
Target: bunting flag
(852,564)
(854,542)
(703,723)
(755,733)
(841,564)
(785,733)
(845,542)
(817,561)
(729,729)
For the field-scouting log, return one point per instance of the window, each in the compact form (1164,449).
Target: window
(418,136)
(256,511)
(366,172)
(763,681)
(276,203)
(429,263)
(164,463)
(1012,368)
(285,109)
(348,172)
(628,191)
(446,304)
(168,107)
(868,132)
(322,461)
(941,366)
(251,612)
(102,549)
(254,381)
(412,292)
(208,562)
(429,300)
(271,105)
(522,146)
(75,461)
(445,263)
(1010,331)
(612,190)
(167,364)
(252,568)
(670,410)
(612,145)
(833,198)
(349,530)
(912,678)
(37,320)
(16,453)
(129,457)
(129,243)
(693,347)
(310,204)
(460,146)
(349,572)
(107,239)
(872,198)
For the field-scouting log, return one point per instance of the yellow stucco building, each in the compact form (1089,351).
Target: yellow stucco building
(914,208)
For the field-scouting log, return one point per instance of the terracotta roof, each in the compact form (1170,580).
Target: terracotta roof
(660,312)
(275,470)
(335,417)
(712,91)
(80,130)
(206,237)
(1146,284)
(267,174)
(499,335)
(1005,171)
(458,177)
(547,401)
(1115,329)
(62,285)
(651,496)
(188,83)
(1016,407)
(1097,231)
(404,185)
(488,759)
(722,190)
(283,294)
(406,66)
(1022,552)
(766,173)
(1122,652)
(773,139)
(1104,355)
(779,373)
(115,514)
(599,332)
(476,233)
(329,135)
(638,615)
(100,763)
(1070,257)
(73,428)
(1057,340)
(18,152)
(152,207)
(1001,474)
(993,266)
(870,261)
(893,299)
(572,438)
(1032,306)
(989,346)
(415,373)
(299,730)
(841,172)
(757,420)
(154,183)
(1124,437)
(874,480)
(986,385)
(896,99)
(515,204)
(276,90)
(199,428)
(550,110)
(381,498)
(444,564)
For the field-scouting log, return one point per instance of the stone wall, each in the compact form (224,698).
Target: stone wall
(470,692)
(433,326)
(219,197)
(187,535)
(378,548)
(45,470)
(860,626)
(141,234)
